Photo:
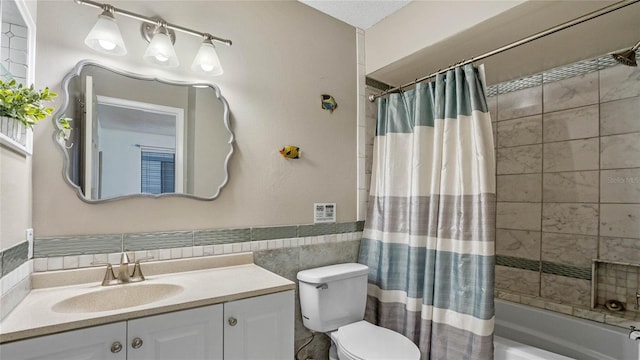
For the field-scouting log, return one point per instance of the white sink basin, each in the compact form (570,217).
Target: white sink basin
(117,297)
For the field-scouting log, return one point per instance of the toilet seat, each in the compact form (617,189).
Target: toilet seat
(364,341)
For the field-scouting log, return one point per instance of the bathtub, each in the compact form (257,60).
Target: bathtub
(506,349)
(559,334)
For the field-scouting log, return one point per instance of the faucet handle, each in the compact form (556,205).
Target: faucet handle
(109,276)
(137,275)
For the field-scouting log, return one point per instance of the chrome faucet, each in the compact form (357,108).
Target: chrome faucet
(124,276)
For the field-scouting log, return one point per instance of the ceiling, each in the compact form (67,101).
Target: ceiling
(362,14)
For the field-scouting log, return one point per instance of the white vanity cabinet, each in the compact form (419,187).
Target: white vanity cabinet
(259,328)
(188,334)
(254,328)
(104,342)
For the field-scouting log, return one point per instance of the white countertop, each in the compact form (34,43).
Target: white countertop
(206,281)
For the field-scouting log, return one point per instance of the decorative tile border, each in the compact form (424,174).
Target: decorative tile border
(277,232)
(222,236)
(518,263)
(65,246)
(157,240)
(566,270)
(13,257)
(77,245)
(80,261)
(560,73)
(544,267)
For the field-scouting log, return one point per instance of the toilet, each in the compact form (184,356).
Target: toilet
(332,300)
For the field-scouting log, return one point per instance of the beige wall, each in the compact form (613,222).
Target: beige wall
(424,23)
(284,56)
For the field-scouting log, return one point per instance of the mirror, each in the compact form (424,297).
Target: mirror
(127,135)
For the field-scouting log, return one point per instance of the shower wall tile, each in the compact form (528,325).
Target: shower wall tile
(522,131)
(570,93)
(566,290)
(518,243)
(520,103)
(570,218)
(620,151)
(619,249)
(573,186)
(525,188)
(619,82)
(571,155)
(576,196)
(517,280)
(492,104)
(519,160)
(620,116)
(518,216)
(494,128)
(620,220)
(569,249)
(579,123)
(620,186)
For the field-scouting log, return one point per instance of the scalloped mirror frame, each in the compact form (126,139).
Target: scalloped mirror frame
(58,130)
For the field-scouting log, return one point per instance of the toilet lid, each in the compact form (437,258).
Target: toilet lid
(363,340)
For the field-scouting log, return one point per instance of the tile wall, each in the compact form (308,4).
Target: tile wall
(568,183)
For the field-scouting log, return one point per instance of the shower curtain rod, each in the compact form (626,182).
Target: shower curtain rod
(579,20)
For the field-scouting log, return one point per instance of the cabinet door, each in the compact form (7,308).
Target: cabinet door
(95,343)
(259,327)
(189,334)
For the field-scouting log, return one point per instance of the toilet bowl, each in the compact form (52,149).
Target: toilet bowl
(363,340)
(332,300)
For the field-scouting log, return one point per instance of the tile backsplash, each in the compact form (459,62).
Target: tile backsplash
(568,186)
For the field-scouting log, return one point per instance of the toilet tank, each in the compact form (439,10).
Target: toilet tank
(332,296)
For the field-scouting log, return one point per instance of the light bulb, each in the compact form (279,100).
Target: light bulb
(160,50)
(206,60)
(206,67)
(105,36)
(107,45)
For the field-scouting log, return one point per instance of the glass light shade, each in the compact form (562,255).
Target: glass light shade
(206,60)
(105,36)
(161,51)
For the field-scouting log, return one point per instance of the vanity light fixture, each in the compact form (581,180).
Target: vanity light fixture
(160,50)
(206,60)
(106,38)
(105,35)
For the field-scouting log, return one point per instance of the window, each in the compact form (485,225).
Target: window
(158,172)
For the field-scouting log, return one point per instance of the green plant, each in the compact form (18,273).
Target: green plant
(24,103)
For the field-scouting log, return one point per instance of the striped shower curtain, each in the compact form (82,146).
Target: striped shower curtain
(430,227)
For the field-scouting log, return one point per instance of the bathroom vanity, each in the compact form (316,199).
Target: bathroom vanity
(220,307)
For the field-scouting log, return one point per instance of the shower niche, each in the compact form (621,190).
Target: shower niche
(616,283)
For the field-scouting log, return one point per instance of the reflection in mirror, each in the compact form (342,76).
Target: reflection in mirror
(134,135)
